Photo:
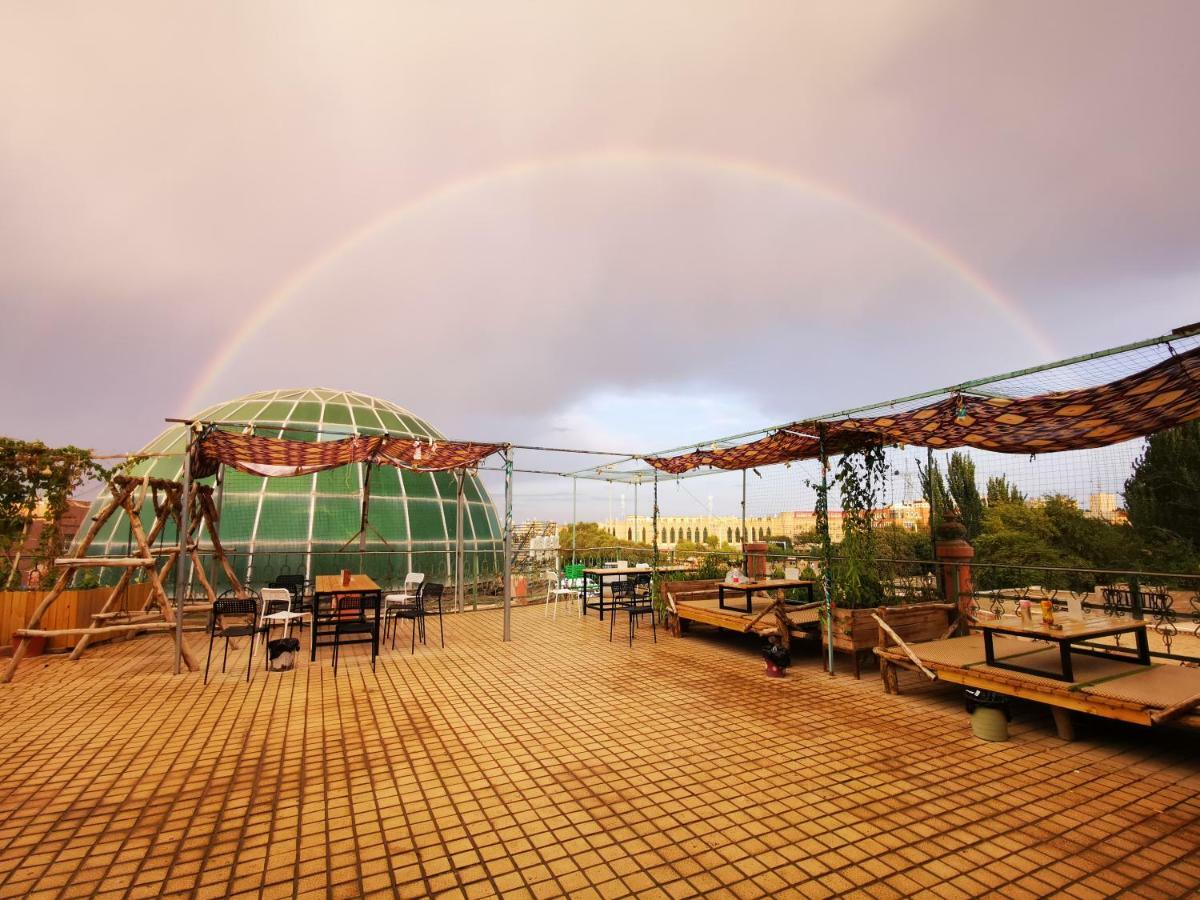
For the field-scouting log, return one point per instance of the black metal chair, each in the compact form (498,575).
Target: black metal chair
(355,615)
(245,608)
(628,597)
(411,608)
(433,594)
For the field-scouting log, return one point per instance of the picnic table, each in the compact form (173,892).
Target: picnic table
(1064,634)
(601,573)
(762,584)
(330,588)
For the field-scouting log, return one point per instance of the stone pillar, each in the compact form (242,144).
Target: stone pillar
(955,555)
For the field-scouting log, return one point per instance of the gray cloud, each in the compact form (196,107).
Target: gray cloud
(165,169)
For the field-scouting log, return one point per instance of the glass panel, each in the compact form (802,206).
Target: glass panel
(307,411)
(336,518)
(417,484)
(387,518)
(366,418)
(284,518)
(276,411)
(295,484)
(337,414)
(391,422)
(342,480)
(425,519)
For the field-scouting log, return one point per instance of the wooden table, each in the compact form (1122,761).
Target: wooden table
(762,584)
(601,574)
(331,586)
(1064,634)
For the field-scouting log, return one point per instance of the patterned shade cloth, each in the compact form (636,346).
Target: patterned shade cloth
(274,457)
(435,456)
(1162,396)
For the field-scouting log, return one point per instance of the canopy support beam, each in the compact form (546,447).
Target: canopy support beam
(458,542)
(507,454)
(181,579)
(826,548)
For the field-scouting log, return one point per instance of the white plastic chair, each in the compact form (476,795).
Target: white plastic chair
(555,592)
(791,573)
(410,593)
(283,617)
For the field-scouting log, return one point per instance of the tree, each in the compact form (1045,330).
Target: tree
(1164,490)
(1001,490)
(960,474)
(934,490)
(589,536)
(37,481)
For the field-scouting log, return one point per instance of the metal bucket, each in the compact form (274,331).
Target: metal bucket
(989,714)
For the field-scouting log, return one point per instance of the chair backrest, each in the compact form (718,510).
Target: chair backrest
(641,565)
(276,599)
(622,589)
(573,570)
(229,607)
(432,593)
(355,606)
(412,581)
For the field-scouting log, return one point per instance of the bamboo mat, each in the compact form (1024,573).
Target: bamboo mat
(1159,686)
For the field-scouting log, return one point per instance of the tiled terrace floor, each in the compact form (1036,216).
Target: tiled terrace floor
(562,764)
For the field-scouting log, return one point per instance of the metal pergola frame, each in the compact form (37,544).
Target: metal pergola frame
(614,471)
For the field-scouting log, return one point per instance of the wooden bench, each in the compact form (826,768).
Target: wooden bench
(679,591)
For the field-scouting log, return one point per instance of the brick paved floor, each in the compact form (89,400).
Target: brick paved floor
(562,764)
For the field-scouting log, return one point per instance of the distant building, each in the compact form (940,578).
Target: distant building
(68,526)
(1106,506)
(728,529)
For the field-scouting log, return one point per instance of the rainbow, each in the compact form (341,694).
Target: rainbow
(279,298)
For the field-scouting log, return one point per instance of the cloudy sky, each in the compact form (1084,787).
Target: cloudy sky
(595,224)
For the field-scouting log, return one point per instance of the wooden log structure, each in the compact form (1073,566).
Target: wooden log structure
(128,495)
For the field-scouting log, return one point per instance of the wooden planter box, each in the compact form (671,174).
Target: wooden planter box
(72,610)
(856,632)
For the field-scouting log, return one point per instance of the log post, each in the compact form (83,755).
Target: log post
(954,556)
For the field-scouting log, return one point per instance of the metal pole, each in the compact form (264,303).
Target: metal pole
(745,562)
(654,522)
(458,544)
(932,503)
(635,513)
(827,550)
(220,501)
(508,528)
(574,514)
(181,562)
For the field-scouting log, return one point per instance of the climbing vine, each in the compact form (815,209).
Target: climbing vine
(860,477)
(36,484)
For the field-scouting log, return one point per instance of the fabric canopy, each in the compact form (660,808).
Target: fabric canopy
(274,457)
(1162,396)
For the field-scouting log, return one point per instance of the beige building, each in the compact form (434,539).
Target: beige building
(728,529)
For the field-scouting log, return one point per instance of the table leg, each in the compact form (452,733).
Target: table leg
(312,632)
(375,632)
(1143,646)
(989,651)
(1064,655)
(720,596)
(600,598)
(749,600)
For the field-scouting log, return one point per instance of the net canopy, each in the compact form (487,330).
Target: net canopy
(990,415)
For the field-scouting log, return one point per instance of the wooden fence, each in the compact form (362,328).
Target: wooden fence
(72,610)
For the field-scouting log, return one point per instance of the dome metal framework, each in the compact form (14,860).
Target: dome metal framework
(310,524)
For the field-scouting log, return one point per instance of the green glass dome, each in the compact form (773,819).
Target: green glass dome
(309,524)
